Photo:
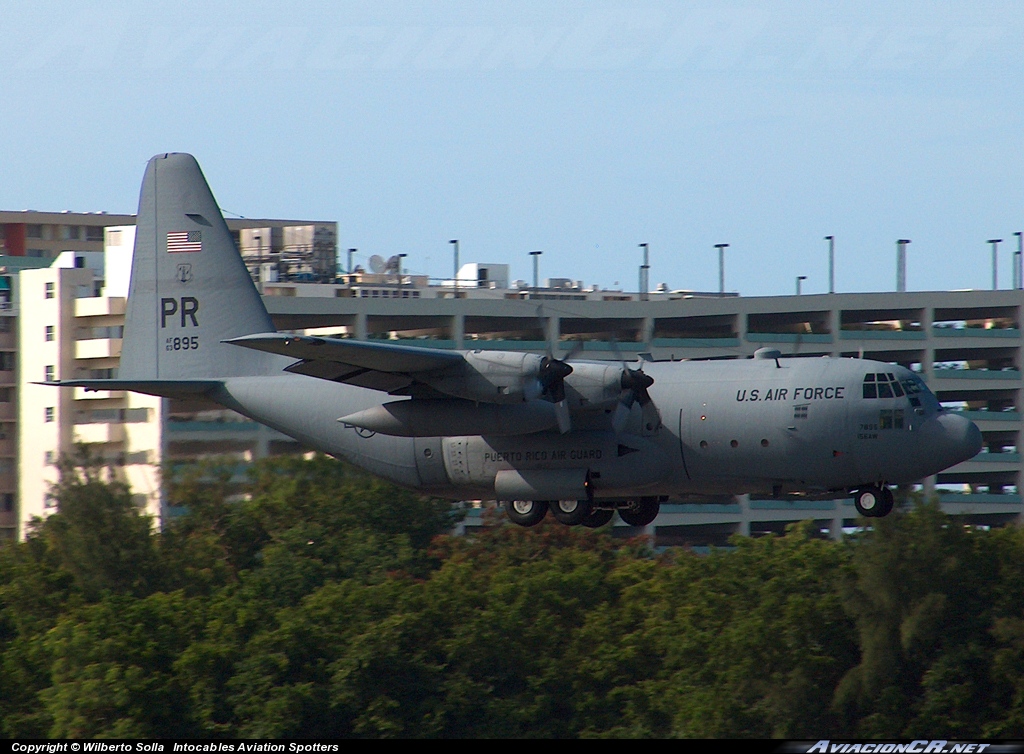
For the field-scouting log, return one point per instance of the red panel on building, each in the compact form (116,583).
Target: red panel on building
(14,239)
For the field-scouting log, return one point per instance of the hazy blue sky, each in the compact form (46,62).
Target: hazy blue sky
(578,128)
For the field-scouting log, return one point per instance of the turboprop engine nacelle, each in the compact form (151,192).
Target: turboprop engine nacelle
(492,377)
(502,377)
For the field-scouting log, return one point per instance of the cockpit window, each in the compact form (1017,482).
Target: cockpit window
(886,385)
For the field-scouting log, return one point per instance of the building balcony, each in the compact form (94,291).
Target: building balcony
(81,394)
(980,497)
(99,433)
(987,463)
(98,348)
(695,342)
(505,345)
(975,332)
(99,306)
(788,337)
(995,458)
(977,374)
(205,430)
(883,335)
(990,416)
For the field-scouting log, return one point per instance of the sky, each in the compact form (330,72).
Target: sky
(581,129)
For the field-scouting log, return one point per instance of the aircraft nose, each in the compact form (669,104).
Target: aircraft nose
(955,439)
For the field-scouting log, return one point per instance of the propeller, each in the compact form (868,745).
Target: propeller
(551,377)
(634,384)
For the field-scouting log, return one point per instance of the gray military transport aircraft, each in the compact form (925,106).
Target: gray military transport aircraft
(582,440)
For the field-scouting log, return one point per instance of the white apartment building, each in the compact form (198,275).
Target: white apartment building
(70,326)
(71,333)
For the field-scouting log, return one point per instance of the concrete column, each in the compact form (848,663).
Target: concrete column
(928,357)
(361,329)
(459,330)
(741,331)
(647,331)
(834,326)
(744,502)
(552,328)
(836,527)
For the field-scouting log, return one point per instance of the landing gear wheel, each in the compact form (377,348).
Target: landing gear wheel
(526,512)
(598,518)
(570,512)
(640,512)
(873,502)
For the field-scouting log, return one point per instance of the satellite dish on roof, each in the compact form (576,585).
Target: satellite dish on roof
(377,264)
(393,264)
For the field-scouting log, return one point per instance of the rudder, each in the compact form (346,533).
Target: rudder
(189,287)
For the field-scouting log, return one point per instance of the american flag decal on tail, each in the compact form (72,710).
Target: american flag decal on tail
(184,241)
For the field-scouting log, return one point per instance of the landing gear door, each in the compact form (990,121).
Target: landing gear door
(430,461)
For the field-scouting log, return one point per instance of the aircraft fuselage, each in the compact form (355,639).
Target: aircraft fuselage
(761,426)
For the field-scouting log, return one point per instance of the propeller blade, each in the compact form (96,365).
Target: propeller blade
(562,414)
(577,347)
(651,416)
(621,416)
(634,385)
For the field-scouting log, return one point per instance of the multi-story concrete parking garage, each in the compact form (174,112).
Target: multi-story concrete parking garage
(965,344)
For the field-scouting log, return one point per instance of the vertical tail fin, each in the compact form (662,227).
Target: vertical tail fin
(189,287)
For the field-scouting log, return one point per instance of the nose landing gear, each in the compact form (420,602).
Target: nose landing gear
(873,502)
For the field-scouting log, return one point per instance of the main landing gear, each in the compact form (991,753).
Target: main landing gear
(640,512)
(873,502)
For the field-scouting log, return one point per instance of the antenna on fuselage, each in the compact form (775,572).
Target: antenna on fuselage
(769,353)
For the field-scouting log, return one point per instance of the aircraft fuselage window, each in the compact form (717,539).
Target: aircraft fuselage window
(890,418)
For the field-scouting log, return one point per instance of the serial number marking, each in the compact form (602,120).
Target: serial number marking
(182,344)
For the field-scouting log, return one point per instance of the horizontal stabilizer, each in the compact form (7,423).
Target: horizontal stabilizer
(381,357)
(161,388)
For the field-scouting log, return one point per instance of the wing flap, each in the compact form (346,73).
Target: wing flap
(380,357)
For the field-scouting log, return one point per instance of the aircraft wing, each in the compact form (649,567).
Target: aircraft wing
(381,366)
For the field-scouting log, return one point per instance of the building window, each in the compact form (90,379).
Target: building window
(94,233)
(7,502)
(49,333)
(70,233)
(49,290)
(34,231)
(6,361)
(49,458)
(5,395)
(49,371)
(48,414)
